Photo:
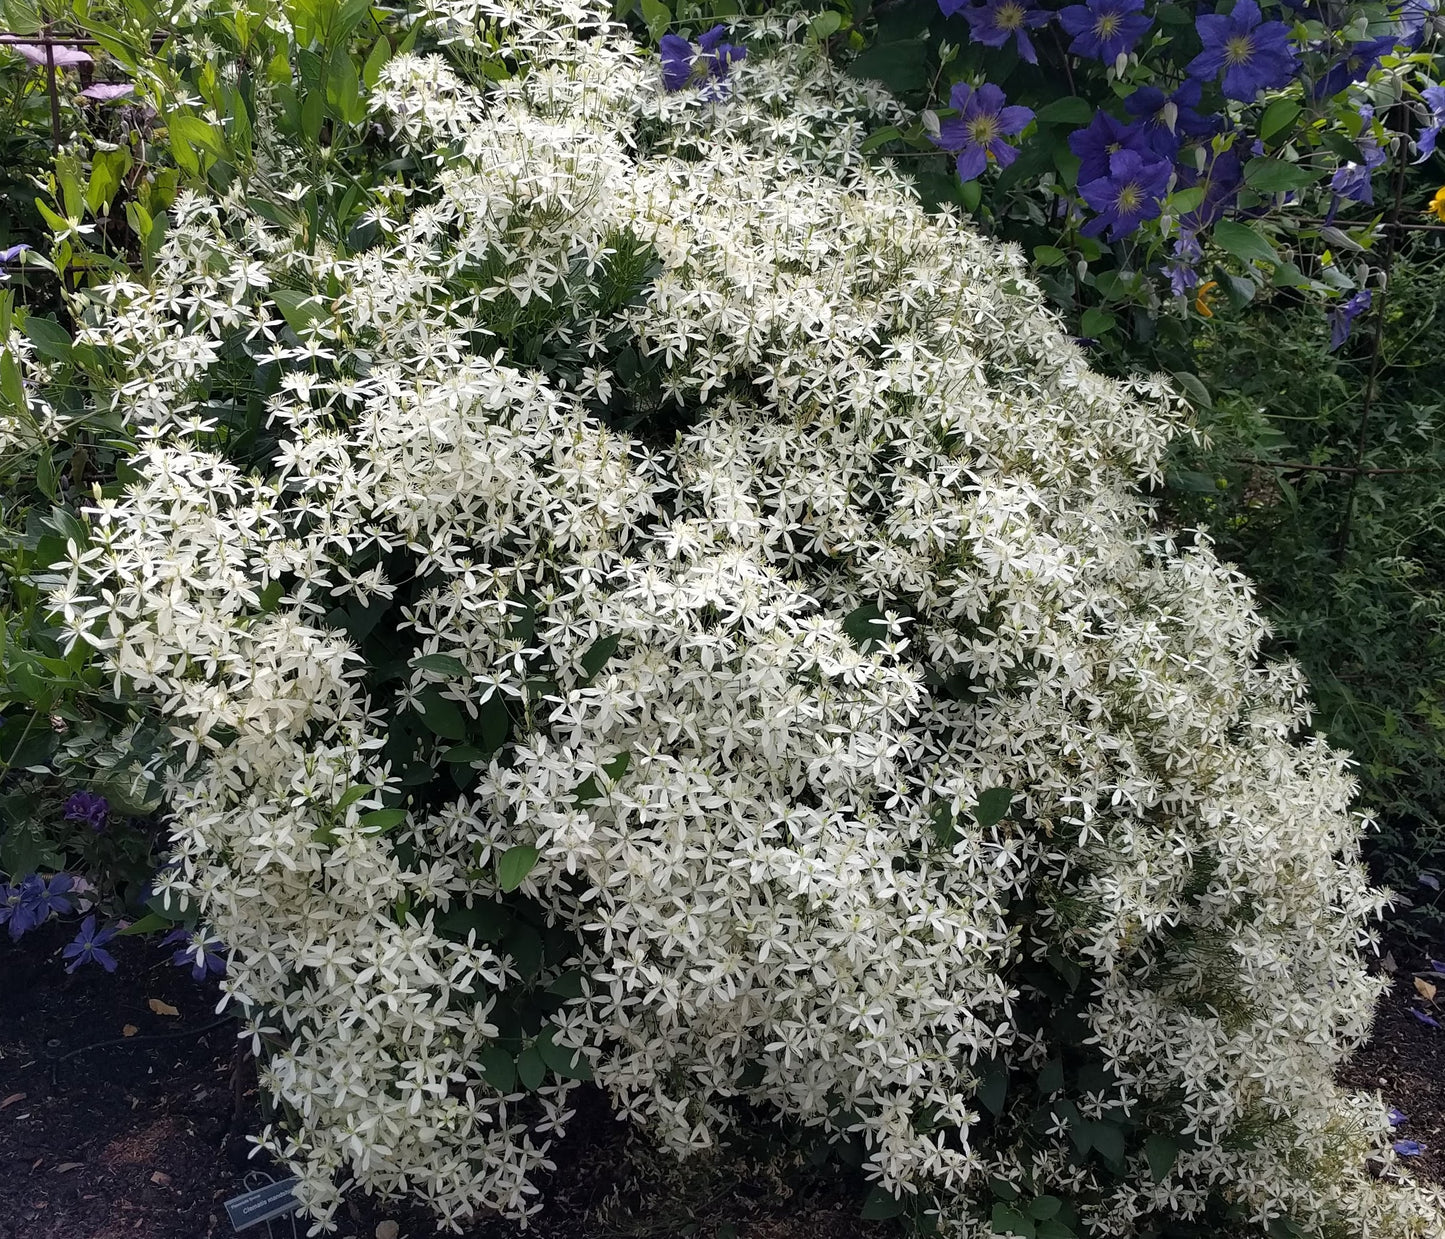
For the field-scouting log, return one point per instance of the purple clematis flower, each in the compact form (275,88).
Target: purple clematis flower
(88,807)
(1254,55)
(1343,318)
(710,61)
(1425,1019)
(1099,139)
(14,252)
(1166,120)
(995,22)
(65,57)
(1409,1148)
(106,92)
(1223,176)
(89,946)
(1129,195)
(1396,1117)
(198,951)
(1105,29)
(978,132)
(1434,97)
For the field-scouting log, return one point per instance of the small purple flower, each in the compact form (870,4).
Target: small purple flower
(713,58)
(1181,276)
(1355,65)
(1342,319)
(1254,55)
(14,252)
(1437,965)
(65,57)
(89,946)
(88,807)
(1409,1148)
(13,899)
(995,22)
(1105,29)
(199,951)
(1428,879)
(1100,138)
(34,901)
(1425,1019)
(1396,1117)
(1434,97)
(979,130)
(107,92)
(1352,181)
(1129,195)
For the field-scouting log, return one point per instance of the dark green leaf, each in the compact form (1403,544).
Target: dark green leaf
(498,1068)
(901,66)
(1070,110)
(1278,117)
(442,664)
(992,1089)
(1268,175)
(993,806)
(1161,1153)
(514,865)
(1009,1221)
(881,1204)
(378,821)
(1243,242)
(531,1070)
(442,715)
(1045,1207)
(880,137)
(597,655)
(568,1063)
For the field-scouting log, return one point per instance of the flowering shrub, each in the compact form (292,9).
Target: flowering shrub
(654,607)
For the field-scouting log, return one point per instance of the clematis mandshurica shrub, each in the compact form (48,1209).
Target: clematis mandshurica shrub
(654,607)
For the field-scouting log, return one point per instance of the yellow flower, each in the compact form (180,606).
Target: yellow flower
(1201,298)
(1437,204)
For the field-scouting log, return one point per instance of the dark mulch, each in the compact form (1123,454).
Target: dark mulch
(1405,1061)
(109,1135)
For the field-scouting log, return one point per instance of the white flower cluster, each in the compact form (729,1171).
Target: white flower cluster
(772,522)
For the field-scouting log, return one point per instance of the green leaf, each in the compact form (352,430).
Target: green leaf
(1044,1207)
(657,16)
(51,339)
(826,24)
(1070,110)
(1049,255)
(463,753)
(442,715)
(1108,1139)
(191,132)
(1243,242)
(11,386)
(1278,117)
(598,653)
(1182,201)
(881,1204)
(617,767)
(1003,1189)
(1096,322)
(1051,1078)
(514,865)
(865,626)
(442,664)
(378,821)
(1161,1154)
(992,1089)
(1268,175)
(498,1068)
(568,1063)
(1052,1228)
(376,62)
(1340,145)
(880,137)
(1009,1221)
(901,66)
(1194,389)
(147,924)
(531,1070)
(270,597)
(352,794)
(568,985)
(299,309)
(993,806)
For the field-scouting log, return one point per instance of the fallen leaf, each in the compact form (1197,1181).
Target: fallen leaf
(12,1099)
(161,1179)
(1388,963)
(129,1030)
(1425,990)
(161,1008)
(386,1229)
(64,1166)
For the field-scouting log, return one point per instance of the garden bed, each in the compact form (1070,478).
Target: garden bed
(108,1133)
